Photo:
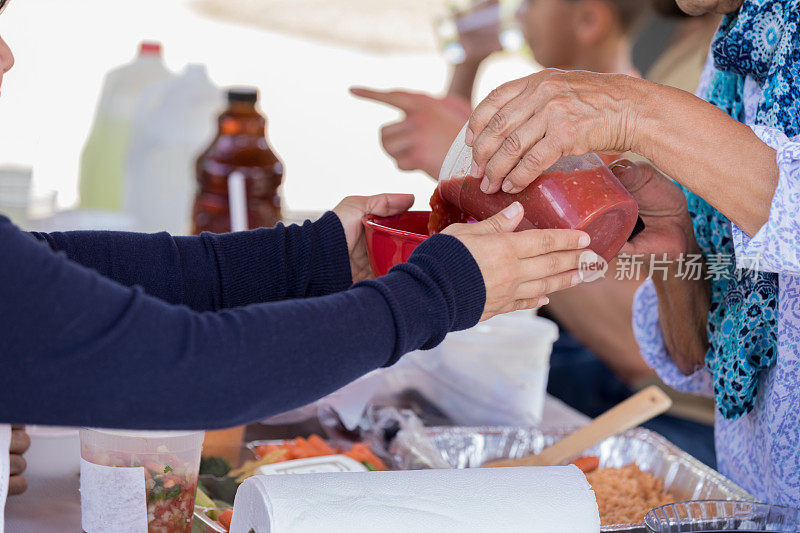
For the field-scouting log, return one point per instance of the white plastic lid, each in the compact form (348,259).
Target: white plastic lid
(145,434)
(509,329)
(141,441)
(458,160)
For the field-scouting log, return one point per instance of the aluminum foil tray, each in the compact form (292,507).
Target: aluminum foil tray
(466,447)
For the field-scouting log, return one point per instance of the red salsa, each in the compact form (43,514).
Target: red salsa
(443,214)
(170,485)
(591,200)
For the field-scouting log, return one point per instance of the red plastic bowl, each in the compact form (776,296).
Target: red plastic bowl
(390,240)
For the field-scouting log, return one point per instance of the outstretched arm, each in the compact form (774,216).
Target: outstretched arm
(81,349)
(213,272)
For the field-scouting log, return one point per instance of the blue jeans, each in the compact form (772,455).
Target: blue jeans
(582,381)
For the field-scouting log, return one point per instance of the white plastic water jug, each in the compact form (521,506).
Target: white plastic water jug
(103,157)
(174,121)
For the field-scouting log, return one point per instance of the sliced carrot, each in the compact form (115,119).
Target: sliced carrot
(375,461)
(225,518)
(361,453)
(352,456)
(305,449)
(320,445)
(265,449)
(587,464)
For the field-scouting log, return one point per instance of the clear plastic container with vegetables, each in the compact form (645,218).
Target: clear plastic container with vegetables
(170,462)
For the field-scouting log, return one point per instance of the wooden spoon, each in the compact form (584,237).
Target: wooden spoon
(637,409)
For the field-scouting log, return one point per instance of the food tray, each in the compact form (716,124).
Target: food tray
(465,447)
(201,523)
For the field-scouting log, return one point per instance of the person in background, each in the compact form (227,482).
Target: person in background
(596,362)
(681,64)
(136,331)
(591,35)
(20,442)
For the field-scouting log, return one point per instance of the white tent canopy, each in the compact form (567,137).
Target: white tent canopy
(377,25)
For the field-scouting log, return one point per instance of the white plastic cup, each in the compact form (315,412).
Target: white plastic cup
(488,24)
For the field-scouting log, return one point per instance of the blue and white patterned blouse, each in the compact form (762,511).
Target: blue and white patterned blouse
(761,450)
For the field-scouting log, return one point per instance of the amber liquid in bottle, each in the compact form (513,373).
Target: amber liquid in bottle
(240,146)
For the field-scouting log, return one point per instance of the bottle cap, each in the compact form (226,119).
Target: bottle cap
(150,48)
(243,94)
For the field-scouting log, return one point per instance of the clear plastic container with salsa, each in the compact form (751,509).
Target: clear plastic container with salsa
(170,460)
(578,192)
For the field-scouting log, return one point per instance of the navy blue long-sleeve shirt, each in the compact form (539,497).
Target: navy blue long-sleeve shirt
(139,331)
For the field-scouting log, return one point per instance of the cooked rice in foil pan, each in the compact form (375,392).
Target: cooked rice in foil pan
(684,477)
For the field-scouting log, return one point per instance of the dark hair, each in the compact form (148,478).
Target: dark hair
(668,9)
(631,13)
(3,4)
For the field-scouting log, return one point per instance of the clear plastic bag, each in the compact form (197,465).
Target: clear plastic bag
(494,373)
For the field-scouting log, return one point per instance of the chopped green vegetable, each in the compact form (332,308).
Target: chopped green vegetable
(370,466)
(214,466)
(167,469)
(160,493)
(173,491)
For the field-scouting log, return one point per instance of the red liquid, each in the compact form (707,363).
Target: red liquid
(443,214)
(591,200)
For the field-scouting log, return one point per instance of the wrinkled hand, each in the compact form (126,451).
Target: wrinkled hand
(520,269)
(19,445)
(421,140)
(526,125)
(350,212)
(662,206)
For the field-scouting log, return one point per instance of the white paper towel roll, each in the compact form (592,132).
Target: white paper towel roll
(538,500)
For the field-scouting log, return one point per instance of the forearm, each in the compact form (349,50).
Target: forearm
(462,82)
(683,306)
(213,272)
(710,153)
(84,350)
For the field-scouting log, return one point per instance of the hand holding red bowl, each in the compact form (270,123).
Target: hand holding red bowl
(519,269)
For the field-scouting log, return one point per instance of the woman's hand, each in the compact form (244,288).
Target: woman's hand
(526,125)
(421,140)
(519,269)
(662,206)
(19,445)
(683,292)
(350,212)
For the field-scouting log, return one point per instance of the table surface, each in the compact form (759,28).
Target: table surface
(54,504)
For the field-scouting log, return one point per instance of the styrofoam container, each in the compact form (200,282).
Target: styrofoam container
(314,465)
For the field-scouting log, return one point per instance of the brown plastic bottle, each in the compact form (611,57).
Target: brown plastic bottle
(240,145)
